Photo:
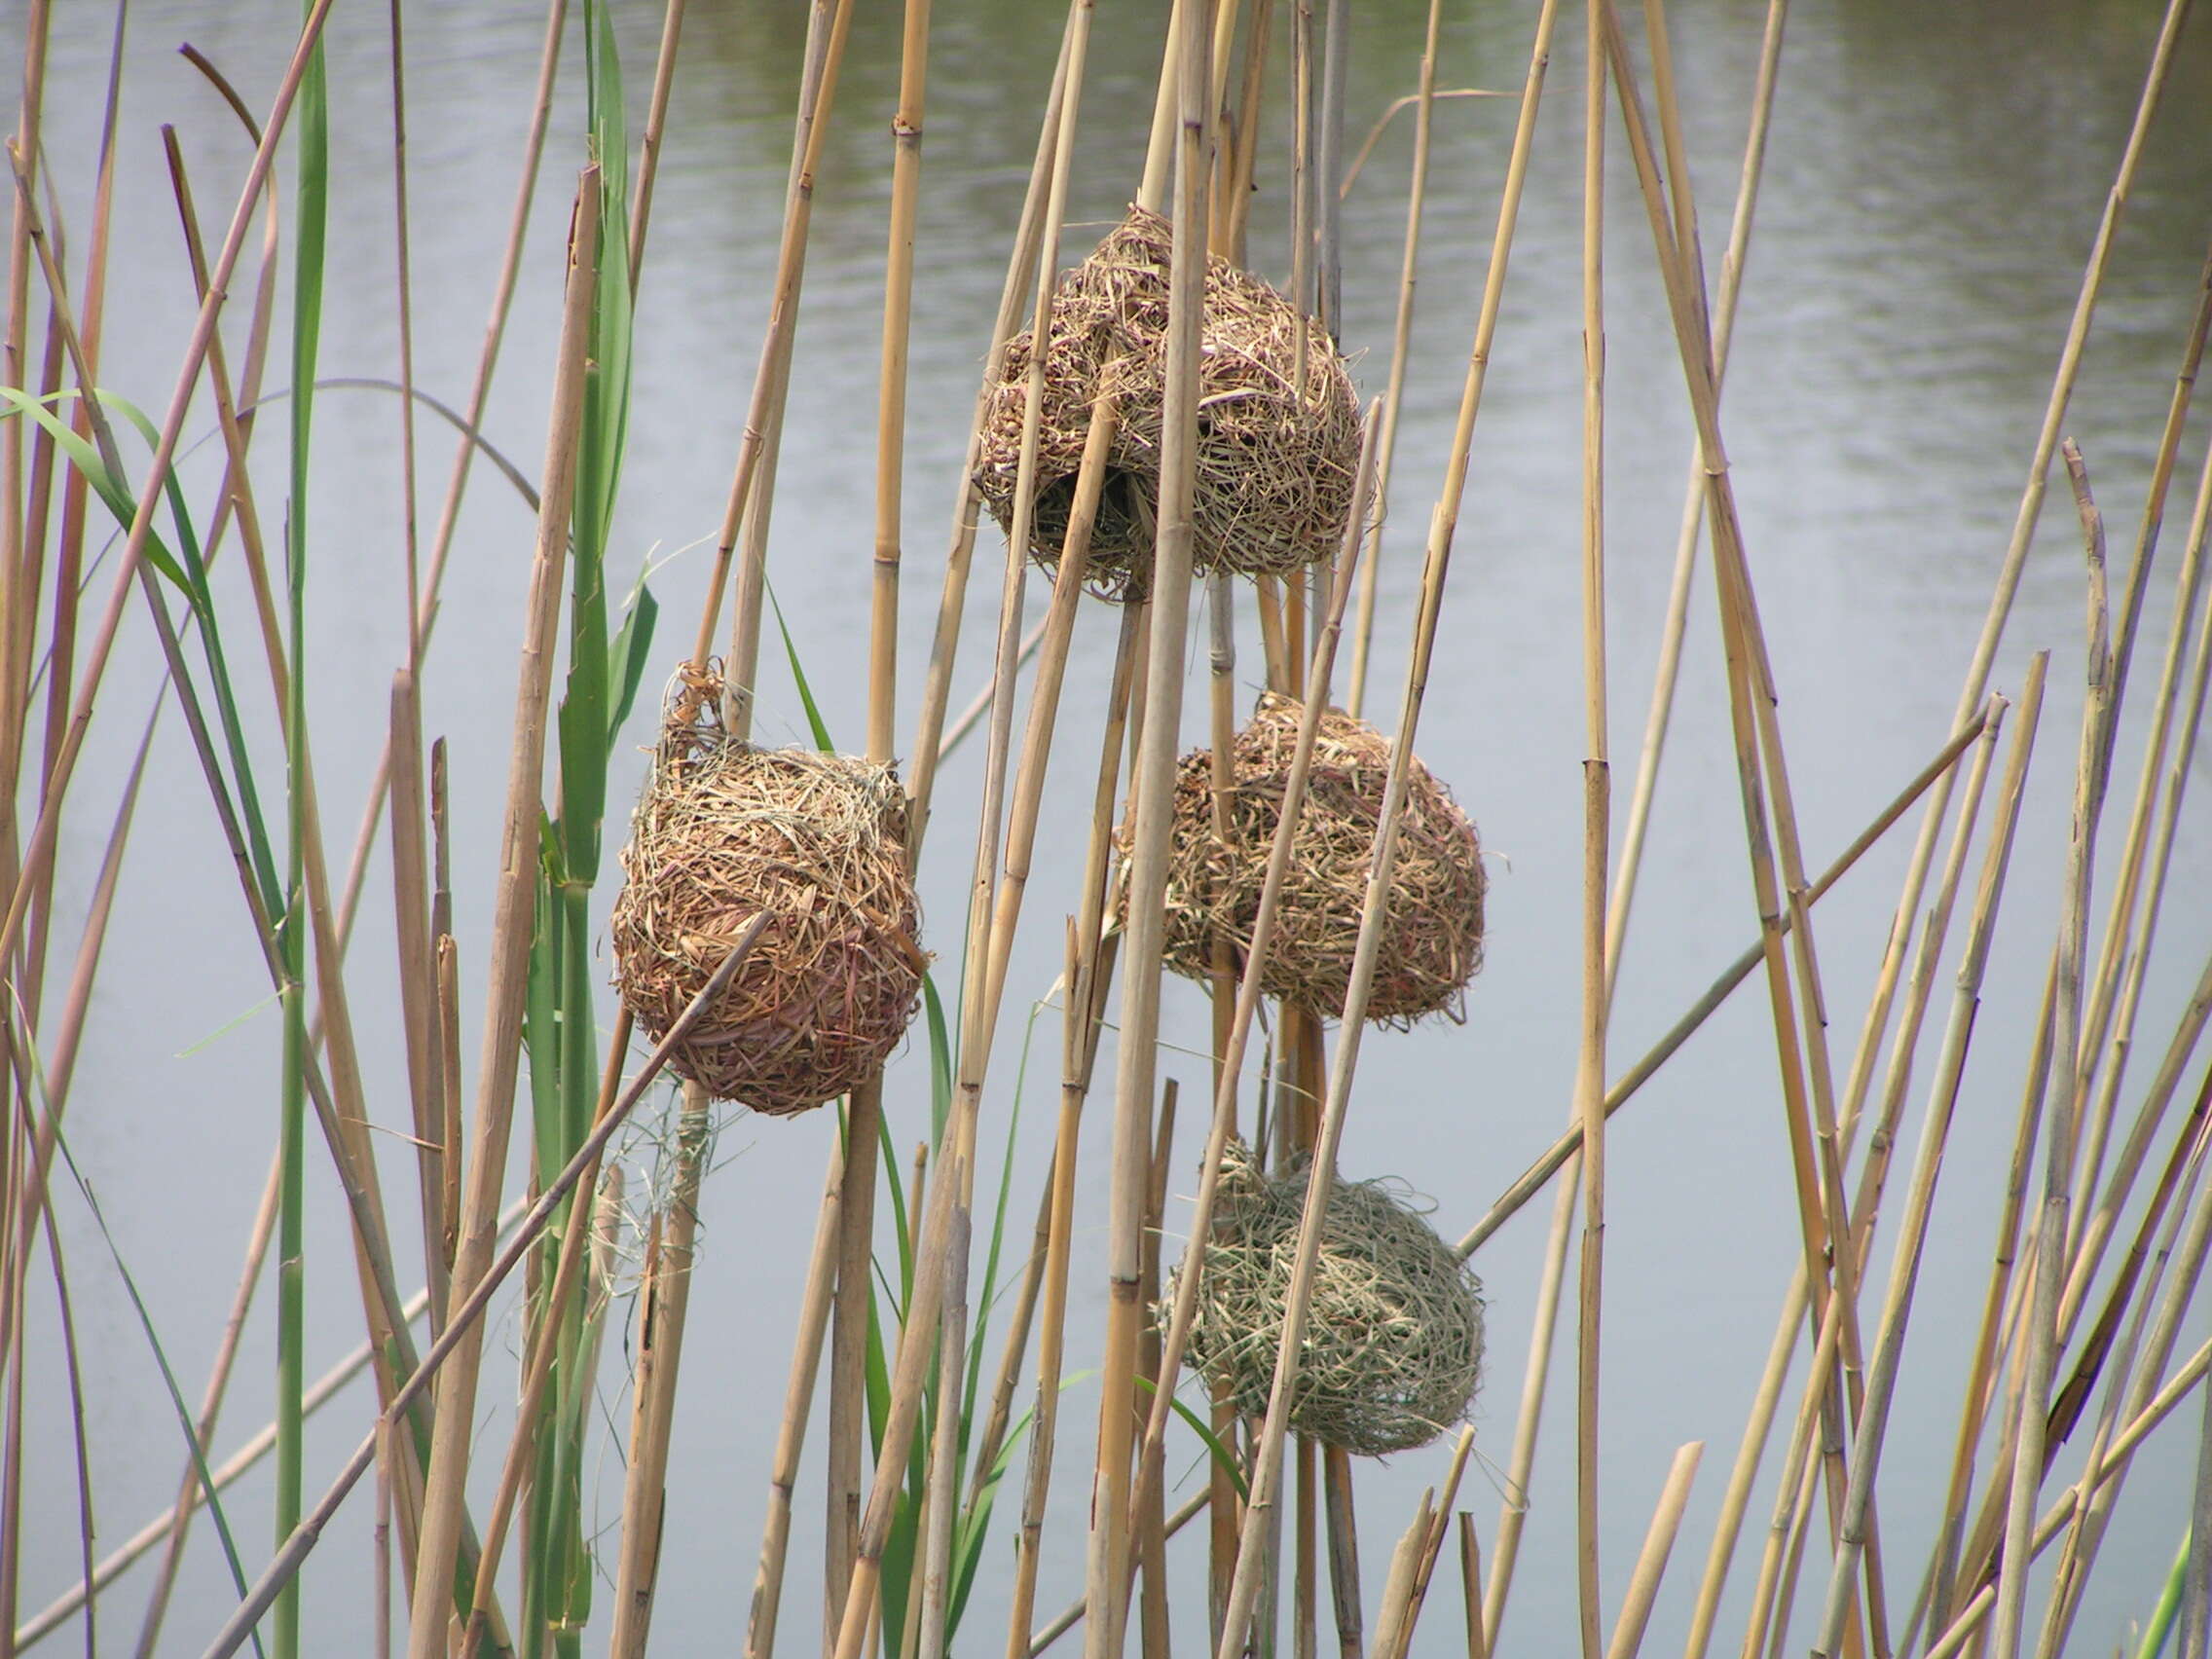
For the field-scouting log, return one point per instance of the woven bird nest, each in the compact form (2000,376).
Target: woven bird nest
(1277,448)
(1432,937)
(726,831)
(1394,1345)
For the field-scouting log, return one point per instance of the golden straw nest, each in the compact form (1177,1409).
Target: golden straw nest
(1278,440)
(726,831)
(1393,1347)
(1432,938)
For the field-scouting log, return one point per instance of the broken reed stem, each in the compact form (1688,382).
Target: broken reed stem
(463,1321)
(1658,1545)
(1597,809)
(515,902)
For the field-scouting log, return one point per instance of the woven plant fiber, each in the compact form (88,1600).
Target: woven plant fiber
(726,831)
(1432,940)
(1393,1347)
(1278,423)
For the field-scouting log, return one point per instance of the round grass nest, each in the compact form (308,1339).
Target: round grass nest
(1432,941)
(1276,449)
(726,831)
(1394,1345)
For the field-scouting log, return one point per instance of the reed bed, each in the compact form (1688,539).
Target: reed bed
(1169,414)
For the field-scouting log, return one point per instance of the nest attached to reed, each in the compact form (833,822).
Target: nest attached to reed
(1394,1345)
(1277,447)
(726,831)
(1432,937)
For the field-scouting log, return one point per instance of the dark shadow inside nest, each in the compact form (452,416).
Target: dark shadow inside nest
(1118,566)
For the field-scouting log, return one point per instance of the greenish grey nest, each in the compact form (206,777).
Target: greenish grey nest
(1278,423)
(726,831)
(1432,923)
(1393,1347)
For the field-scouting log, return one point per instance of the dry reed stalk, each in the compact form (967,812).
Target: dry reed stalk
(2094,1483)
(864,1115)
(1399,1619)
(294,1549)
(941,1495)
(2086,1530)
(1513,1509)
(1471,1587)
(648,145)
(1089,968)
(818,85)
(1597,838)
(1150,1523)
(1073,1614)
(1189,1273)
(1267,1460)
(1658,1544)
(932,740)
(1631,860)
(2125,889)
(798,1404)
(2023,532)
(1401,337)
(515,904)
(1758,1423)
(2123,1000)
(418,970)
(1398,1582)
(1152,798)
(1344,1550)
(2064,1110)
(1764,778)
(1942,1100)
(537,1366)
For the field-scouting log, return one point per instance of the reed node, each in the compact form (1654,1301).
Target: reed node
(726,831)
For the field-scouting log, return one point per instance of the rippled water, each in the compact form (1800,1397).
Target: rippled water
(1934,182)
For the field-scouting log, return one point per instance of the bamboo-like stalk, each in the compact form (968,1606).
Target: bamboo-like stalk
(1942,1099)
(1153,1450)
(546,1342)
(828,21)
(1597,840)
(464,1317)
(2111,1005)
(1651,1563)
(1631,860)
(2024,523)
(2028,1467)
(1152,792)
(864,1117)
(1401,339)
(515,904)
(1394,1627)
(1539,1173)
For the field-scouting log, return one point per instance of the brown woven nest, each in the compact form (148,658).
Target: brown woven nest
(726,831)
(1393,1344)
(1276,450)
(1432,941)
